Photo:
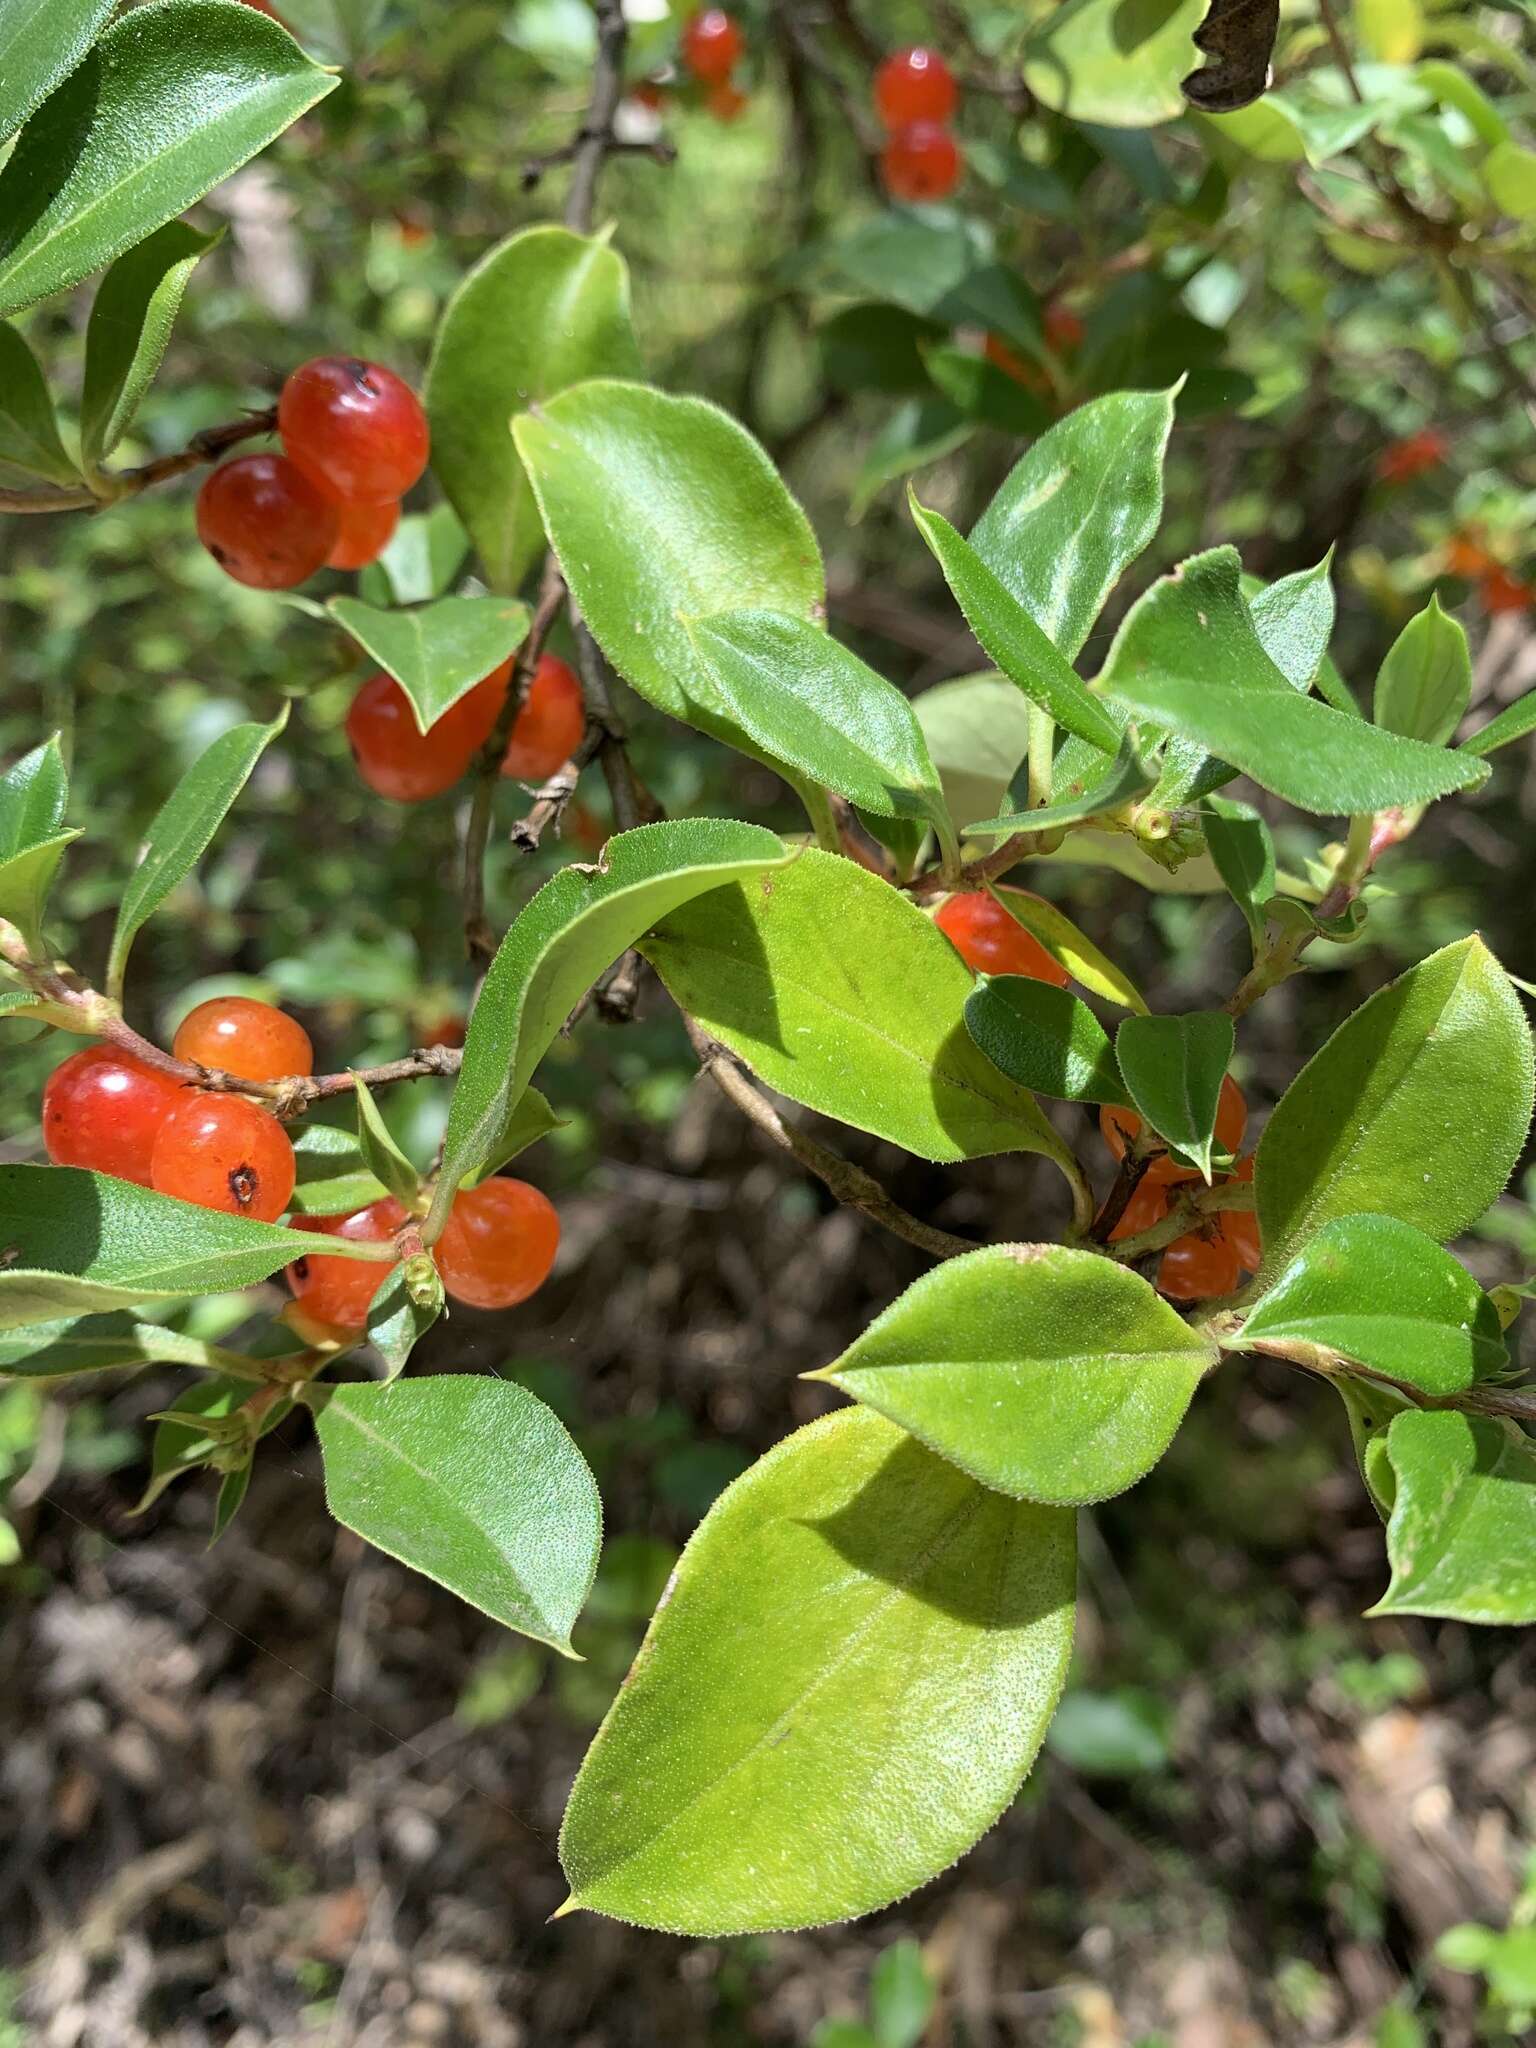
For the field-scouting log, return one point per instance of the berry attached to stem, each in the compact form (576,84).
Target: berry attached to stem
(991,940)
(711,45)
(222,1152)
(549,725)
(354,427)
(337,1292)
(265,522)
(103,1109)
(396,759)
(914,84)
(499,1244)
(366,531)
(237,1035)
(1194,1268)
(920,162)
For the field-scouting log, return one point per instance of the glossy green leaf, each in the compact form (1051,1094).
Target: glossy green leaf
(1077,510)
(577,925)
(542,311)
(131,319)
(1239,842)
(1072,949)
(436,652)
(182,830)
(1513,723)
(1087,786)
(33,793)
(1050,1374)
(473,1482)
(1424,684)
(29,433)
(1435,1070)
(1100,60)
(333,1179)
(854,1623)
(977,733)
(1383,1295)
(1293,618)
(381,1156)
(662,511)
(422,560)
(1173,1068)
(175,96)
(71,1344)
(1008,632)
(1045,1038)
(41,41)
(25,880)
(839,992)
(1462,1537)
(73,1243)
(400,1315)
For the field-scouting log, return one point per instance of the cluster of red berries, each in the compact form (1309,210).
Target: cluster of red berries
(354,440)
(1203,1263)
(1499,589)
(916,96)
(113,1112)
(711,48)
(399,761)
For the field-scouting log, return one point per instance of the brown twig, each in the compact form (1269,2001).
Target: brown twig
(1192,1208)
(594,141)
(1132,1168)
(204,447)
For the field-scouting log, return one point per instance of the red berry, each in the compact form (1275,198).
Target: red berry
(1032,376)
(498,1245)
(914,85)
(711,45)
(550,724)
(1240,1227)
(1148,1205)
(337,1291)
(355,427)
(237,1035)
(991,940)
(726,102)
(1502,592)
(921,161)
(1401,461)
(398,760)
(1194,1268)
(366,531)
(446,1030)
(1119,1125)
(649,93)
(265,522)
(222,1152)
(103,1109)
(1064,332)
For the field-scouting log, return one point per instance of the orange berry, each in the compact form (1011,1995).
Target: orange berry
(1031,375)
(337,1292)
(921,162)
(549,726)
(224,1153)
(103,1109)
(1413,456)
(499,1244)
(366,531)
(1064,332)
(1194,1268)
(1119,1126)
(991,940)
(236,1035)
(1501,591)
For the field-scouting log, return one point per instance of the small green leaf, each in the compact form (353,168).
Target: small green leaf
(1072,949)
(422,560)
(837,991)
(577,925)
(1462,1537)
(182,830)
(1513,723)
(175,96)
(1086,787)
(1008,632)
(1044,1038)
(1239,842)
(72,1344)
(41,41)
(542,311)
(1095,60)
(918,432)
(529,1119)
(1385,1296)
(1293,618)
(1173,1067)
(1509,171)
(1426,679)
(381,1156)
(902,1996)
(401,1313)
(473,1482)
(187,1438)
(131,319)
(25,880)
(854,1623)
(1049,1374)
(332,1178)
(33,793)
(438,651)
(1435,1070)
(29,433)
(977,733)
(1119,1734)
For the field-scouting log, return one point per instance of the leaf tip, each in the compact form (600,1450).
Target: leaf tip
(570,1905)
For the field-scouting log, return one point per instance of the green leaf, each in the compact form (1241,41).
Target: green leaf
(1119,1734)
(1417,1107)
(1509,171)
(1293,619)
(72,1344)
(73,1242)
(401,1313)
(187,1437)
(1072,949)
(809,702)
(131,319)
(577,925)
(1046,1373)
(1098,60)
(837,991)
(981,391)
(1008,632)
(183,829)
(529,1119)
(902,1996)
(25,880)
(663,511)
(438,651)
(381,1156)
(424,556)
(545,309)
(1462,1537)
(854,1623)
(174,97)
(33,793)
(1385,1296)
(476,1484)
(1513,723)
(1086,787)
(918,432)
(332,1178)
(1173,1067)
(41,41)
(1424,683)
(29,433)
(1045,1038)
(977,733)
(1077,510)
(1239,842)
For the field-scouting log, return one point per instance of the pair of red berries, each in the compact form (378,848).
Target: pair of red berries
(1209,1261)
(916,97)
(355,440)
(399,761)
(711,48)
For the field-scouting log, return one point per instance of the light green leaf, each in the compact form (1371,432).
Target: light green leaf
(41,41)
(29,433)
(182,830)
(1086,787)
(1239,842)
(577,925)
(1097,60)
(174,97)
(72,1344)
(1077,509)
(977,731)
(1426,679)
(529,1119)
(1008,632)
(902,1996)
(436,652)
(1045,1038)
(332,1177)
(1293,619)
(400,1315)
(25,880)
(854,1623)
(472,1482)
(837,991)
(424,556)
(381,1156)
(1385,1296)
(1434,1071)
(76,1242)
(543,310)
(1174,1067)
(1462,1538)
(33,793)
(131,319)
(1072,949)
(1513,723)
(1509,171)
